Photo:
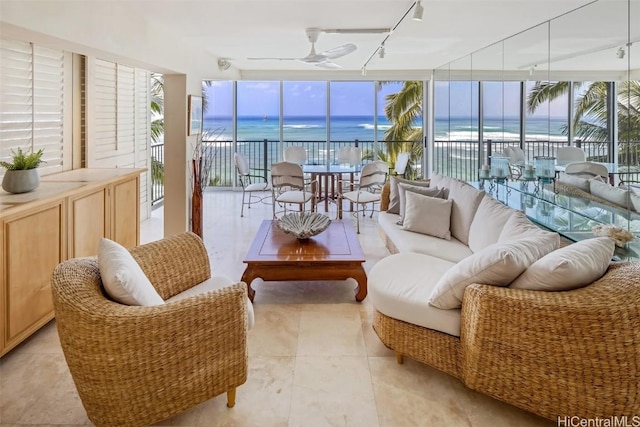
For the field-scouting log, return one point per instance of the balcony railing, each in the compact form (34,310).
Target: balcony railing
(458,159)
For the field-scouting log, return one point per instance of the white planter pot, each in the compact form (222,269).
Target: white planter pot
(21,181)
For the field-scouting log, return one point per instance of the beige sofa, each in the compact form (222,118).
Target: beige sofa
(551,353)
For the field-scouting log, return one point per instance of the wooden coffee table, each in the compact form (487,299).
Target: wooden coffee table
(334,254)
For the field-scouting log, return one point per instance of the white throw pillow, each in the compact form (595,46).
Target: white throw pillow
(466,200)
(576,181)
(488,223)
(615,195)
(394,195)
(498,265)
(122,277)
(427,215)
(404,188)
(570,267)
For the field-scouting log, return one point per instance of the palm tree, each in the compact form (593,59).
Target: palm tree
(404,109)
(590,119)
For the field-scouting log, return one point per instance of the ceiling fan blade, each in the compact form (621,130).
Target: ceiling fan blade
(328,65)
(339,51)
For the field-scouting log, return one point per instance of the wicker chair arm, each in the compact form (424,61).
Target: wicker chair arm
(174,264)
(560,352)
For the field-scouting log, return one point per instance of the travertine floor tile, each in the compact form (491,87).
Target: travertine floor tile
(333,332)
(276,330)
(332,391)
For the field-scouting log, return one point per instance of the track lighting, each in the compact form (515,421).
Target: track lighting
(223,64)
(620,53)
(364,71)
(381,52)
(417,11)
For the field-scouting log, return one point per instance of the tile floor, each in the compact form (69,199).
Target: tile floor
(314,359)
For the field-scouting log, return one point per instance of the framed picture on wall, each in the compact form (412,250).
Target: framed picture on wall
(195,115)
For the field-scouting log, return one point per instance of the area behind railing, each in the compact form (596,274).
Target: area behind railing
(459,159)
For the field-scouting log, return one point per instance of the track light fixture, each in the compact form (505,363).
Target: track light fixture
(364,71)
(381,52)
(417,11)
(620,53)
(223,64)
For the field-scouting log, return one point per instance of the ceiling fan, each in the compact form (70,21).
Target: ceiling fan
(322,59)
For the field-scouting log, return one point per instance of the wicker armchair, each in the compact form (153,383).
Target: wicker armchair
(139,365)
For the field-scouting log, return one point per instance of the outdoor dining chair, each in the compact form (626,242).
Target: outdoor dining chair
(566,155)
(288,186)
(253,186)
(367,190)
(402,161)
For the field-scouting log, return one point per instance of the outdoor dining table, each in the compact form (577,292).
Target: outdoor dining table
(327,175)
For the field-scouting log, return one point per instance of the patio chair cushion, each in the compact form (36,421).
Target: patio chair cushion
(497,265)
(258,186)
(294,196)
(615,195)
(427,215)
(575,180)
(123,279)
(571,267)
(213,283)
(361,196)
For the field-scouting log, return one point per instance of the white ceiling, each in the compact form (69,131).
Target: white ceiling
(451,29)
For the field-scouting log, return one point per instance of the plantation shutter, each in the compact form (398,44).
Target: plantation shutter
(32,106)
(119,128)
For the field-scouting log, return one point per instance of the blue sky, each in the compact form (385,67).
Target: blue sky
(259,98)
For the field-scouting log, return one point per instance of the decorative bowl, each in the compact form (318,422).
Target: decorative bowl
(303,225)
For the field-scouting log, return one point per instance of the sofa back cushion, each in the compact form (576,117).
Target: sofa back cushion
(488,223)
(465,204)
(616,195)
(518,226)
(498,265)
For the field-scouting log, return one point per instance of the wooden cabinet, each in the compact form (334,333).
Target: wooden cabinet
(64,218)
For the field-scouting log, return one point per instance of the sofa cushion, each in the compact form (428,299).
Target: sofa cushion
(575,180)
(570,267)
(122,278)
(488,223)
(441,181)
(400,285)
(466,200)
(394,195)
(519,226)
(427,215)
(426,191)
(212,284)
(405,241)
(498,265)
(615,195)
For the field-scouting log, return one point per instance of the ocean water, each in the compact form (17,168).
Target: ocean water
(350,128)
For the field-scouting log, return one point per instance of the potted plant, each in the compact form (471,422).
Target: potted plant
(21,175)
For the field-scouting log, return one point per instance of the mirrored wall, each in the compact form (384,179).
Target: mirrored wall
(571,81)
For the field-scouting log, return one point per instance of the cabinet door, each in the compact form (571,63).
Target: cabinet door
(34,245)
(125,214)
(88,222)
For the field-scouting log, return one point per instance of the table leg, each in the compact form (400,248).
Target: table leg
(361,278)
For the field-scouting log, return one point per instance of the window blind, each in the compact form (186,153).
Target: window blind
(32,106)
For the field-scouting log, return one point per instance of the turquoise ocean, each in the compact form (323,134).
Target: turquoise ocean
(350,128)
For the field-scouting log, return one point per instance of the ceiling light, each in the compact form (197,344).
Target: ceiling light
(620,53)
(417,11)
(364,71)
(381,52)
(223,64)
